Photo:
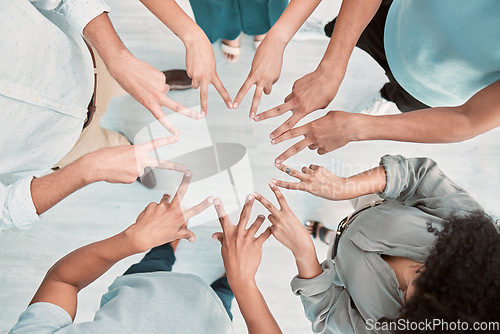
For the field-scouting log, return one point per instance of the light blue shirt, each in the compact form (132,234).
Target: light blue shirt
(46,83)
(443,51)
(159,302)
(358,287)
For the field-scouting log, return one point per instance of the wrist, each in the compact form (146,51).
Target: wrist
(304,249)
(240,284)
(192,37)
(84,169)
(361,127)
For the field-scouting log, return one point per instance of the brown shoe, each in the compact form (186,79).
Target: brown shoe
(177,79)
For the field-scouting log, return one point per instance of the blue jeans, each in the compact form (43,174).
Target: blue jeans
(162,258)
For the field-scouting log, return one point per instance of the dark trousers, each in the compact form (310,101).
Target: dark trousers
(162,258)
(372,42)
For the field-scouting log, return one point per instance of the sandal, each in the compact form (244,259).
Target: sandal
(230,50)
(312,227)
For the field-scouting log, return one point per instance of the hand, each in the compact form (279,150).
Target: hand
(265,71)
(147,85)
(286,228)
(312,92)
(241,250)
(201,68)
(125,163)
(325,134)
(316,180)
(164,222)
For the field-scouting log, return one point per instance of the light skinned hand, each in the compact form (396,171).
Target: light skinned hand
(201,68)
(148,86)
(324,134)
(265,71)
(311,92)
(316,180)
(163,222)
(286,228)
(125,163)
(241,250)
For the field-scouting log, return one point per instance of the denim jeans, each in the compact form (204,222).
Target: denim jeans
(162,258)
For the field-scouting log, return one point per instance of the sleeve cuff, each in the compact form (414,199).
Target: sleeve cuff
(19,205)
(80,12)
(316,285)
(396,170)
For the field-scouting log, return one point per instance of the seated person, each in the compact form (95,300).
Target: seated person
(423,249)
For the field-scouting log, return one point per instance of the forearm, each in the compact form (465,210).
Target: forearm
(102,36)
(295,14)
(80,268)
(354,16)
(170,14)
(84,265)
(48,190)
(253,307)
(307,262)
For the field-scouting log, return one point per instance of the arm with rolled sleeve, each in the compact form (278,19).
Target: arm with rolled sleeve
(420,182)
(327,305)
(78,13)
(17,208)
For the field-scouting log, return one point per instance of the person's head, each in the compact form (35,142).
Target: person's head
(460,279)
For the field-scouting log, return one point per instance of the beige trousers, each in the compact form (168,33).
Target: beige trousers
(95,137)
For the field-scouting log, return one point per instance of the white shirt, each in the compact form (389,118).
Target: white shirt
(46,83)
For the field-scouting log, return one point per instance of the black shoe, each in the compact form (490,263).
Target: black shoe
(178,79)
(148,178)
(329,27)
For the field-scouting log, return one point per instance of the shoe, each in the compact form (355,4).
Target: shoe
(228,50)
(178,79)
(148,178)
(377,105)
(329,27)
(316,231)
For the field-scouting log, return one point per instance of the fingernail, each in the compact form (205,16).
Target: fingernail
(272,135)
(216,201)
(235,105)
(215,238)
(188,173)
(210,199)
(261,217)
(192,239)
(274,181)
(277,165)
(256,118)
(230,105)
(272,185)
(273,141)
(252,115)
(277,161)
(250,197)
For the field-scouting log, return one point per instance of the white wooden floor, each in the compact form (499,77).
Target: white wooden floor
(100,210)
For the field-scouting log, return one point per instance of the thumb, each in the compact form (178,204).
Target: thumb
(184,233)
(218,236)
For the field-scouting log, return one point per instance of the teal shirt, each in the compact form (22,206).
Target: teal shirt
(158,302)
(443,51)
(417,192)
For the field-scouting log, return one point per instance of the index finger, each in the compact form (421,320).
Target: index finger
(242,92)
(179,108)
(160,116)
(158,142)
(290,171)
(279,196)
(181,191)
(225,223)
(223,92)
(294,149)
(204,98)
(255,101)
(245,212)
(276,111)
(268,205)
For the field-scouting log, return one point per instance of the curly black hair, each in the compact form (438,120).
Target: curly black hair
(460,285)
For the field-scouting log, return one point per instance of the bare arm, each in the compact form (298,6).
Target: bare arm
(119,164)
(242,252)
(200,60)
(156,225)
(479,114)
(317,89)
